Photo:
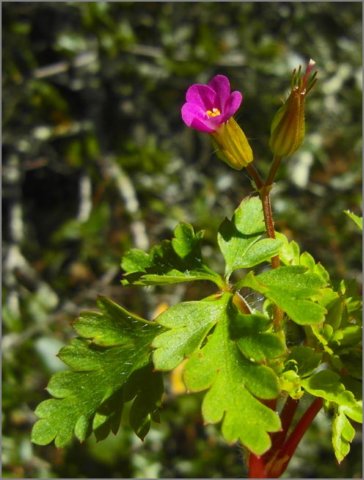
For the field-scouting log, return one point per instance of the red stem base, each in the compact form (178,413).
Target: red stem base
(274,462)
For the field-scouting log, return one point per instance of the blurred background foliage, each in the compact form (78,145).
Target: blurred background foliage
(97,160)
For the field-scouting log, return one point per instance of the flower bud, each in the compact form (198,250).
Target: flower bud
(288,125)
(232,145)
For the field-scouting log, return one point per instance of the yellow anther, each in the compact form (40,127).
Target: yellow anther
(213,113)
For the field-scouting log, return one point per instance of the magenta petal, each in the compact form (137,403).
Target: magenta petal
(232,105)
(221,85)
(197,124)
(194,116)
(201,95)
(190,111)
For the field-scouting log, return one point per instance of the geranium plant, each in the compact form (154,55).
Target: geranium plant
(253,365)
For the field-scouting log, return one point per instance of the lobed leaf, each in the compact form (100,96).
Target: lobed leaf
(146,387)
(305,359)
(261,347)
(90,396)
(292,289)
(234,386)
(328,385)
(343,434)
(252,337)
(290,255)
(240,240)
(188,323)
(175,261)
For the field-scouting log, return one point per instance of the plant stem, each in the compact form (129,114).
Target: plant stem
(259,183)
(256,467)
(267,210)
(287,415)
(264,192)
(264,189)
(276,460)
(273,170)
(283,458)
(278,438)
(275,262)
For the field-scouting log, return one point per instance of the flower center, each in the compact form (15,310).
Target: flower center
(215,112)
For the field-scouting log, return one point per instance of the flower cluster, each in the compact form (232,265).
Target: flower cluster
(210,109)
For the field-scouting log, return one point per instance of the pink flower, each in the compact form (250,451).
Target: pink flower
(209,106)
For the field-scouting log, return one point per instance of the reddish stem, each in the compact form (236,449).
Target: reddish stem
(264,192)
(275,165)
(256,467)
(283,458)
(287,415)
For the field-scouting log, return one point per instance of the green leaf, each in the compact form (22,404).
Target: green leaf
(292,289)
(328,385)
(240,240)
(185,241)
(175,261)
(290,251)
(355,218)
(89,396)
(108,417)
(290,255)
(261,347)
(351,362)
(254,342)
(114,326)
(341,333)
(147,388)
(349,336)
(136,261)
(306,359)
(233,385)
(290,382)
(188,324)
(248,217)
(343,434)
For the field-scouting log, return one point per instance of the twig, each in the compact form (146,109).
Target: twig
(288,449)
(128,194)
